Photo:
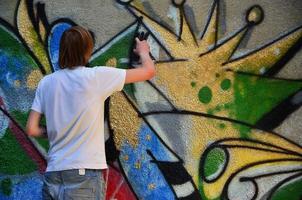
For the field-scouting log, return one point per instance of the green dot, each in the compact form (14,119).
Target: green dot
(205,95)
(222,126)
(218,108)
(6,186)
(225,84)
(193,84)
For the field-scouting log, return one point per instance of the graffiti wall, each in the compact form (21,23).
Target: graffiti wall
(220,120)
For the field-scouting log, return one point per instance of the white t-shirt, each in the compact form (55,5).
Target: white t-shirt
(72,101)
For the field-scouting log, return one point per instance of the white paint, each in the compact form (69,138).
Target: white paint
(154,123)
(173,14)
(183,190)
(296,100)
(123,60)
(277,51)
(262,70)
(145,94)
(246,190)
(154,48)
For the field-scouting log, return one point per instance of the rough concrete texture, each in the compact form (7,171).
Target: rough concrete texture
(221,119)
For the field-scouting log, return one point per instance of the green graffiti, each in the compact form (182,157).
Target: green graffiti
(13,159)
(13,47)
(118,50)
(256,96)
(21,118)
(225,84)
(290,191)
(6,186)
(205,95)
(193,84)
(213,164)
(222,126)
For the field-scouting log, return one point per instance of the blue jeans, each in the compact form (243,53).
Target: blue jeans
(71,185)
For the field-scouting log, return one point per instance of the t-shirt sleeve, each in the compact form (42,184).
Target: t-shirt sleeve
(37,103)
(109,80)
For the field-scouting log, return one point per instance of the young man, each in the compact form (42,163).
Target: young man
(72,100)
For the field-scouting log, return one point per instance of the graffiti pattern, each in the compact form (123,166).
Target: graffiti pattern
(201,129)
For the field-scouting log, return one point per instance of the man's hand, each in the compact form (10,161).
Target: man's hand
(147,69)
(142,48)
(33,127)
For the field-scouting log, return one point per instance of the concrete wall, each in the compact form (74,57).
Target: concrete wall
(221,119)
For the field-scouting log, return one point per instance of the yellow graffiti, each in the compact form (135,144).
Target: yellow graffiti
(33,79)
(124,120)
(31,37)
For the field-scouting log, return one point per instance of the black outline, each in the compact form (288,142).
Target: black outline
(224,193)
(126,177)
(269,174)
(41,14)
(259,142)
(278,114)
(114,37)
(178,5)
(142,116)
(244,28)
(146,27)
(249,11)
(210,15)
(263,46)
(219,144)
(203,161)
(152,161)
(162,94)
(290,53)
(133,56)
(185,112)
(195,194)
(183,17)
(124,3)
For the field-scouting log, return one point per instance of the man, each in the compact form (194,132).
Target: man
(72,100)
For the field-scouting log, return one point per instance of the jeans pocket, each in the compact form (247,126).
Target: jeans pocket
(79,194)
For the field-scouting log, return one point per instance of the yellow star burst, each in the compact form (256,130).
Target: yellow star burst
(205,63)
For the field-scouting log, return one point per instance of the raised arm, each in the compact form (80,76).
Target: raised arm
(147,69)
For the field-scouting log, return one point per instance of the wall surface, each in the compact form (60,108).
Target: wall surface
(221,119)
